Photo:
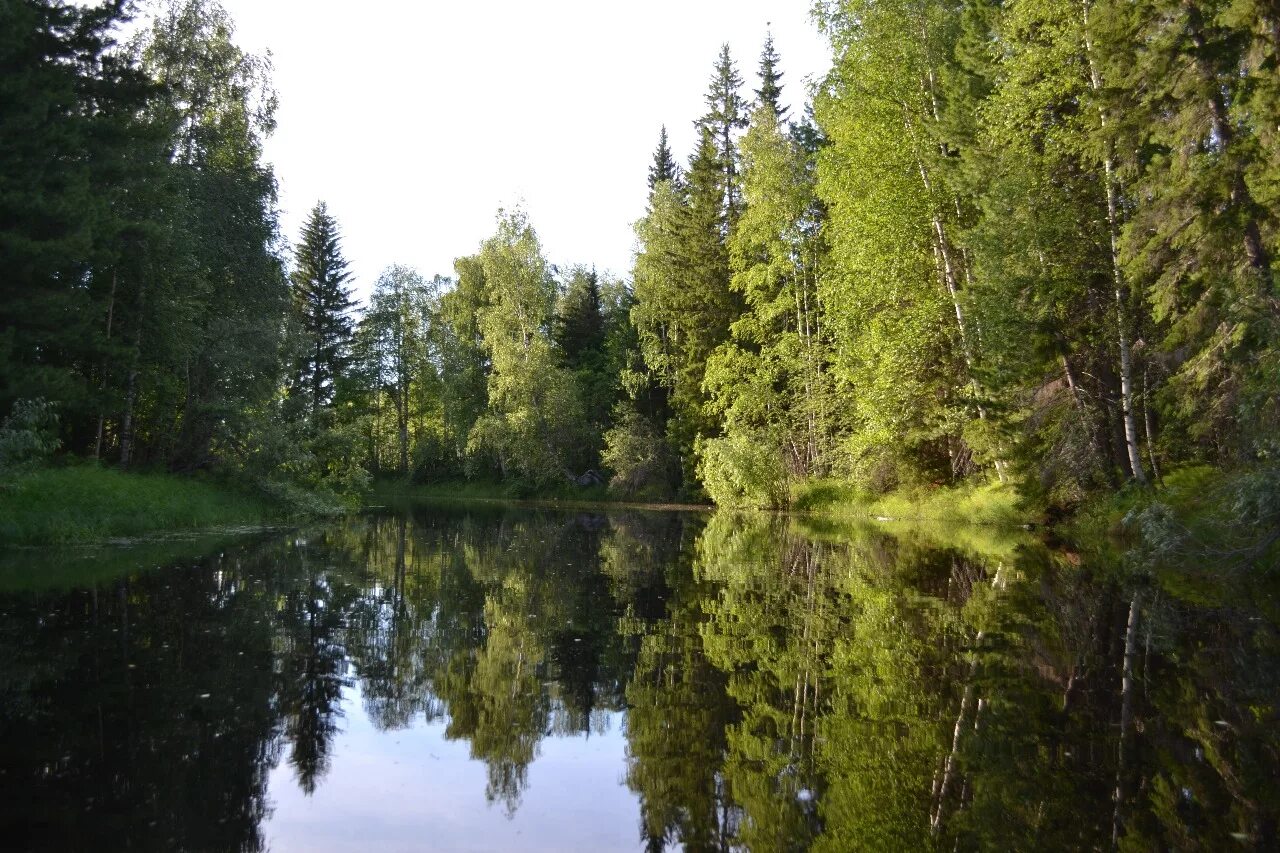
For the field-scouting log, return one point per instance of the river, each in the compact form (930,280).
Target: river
(490,678)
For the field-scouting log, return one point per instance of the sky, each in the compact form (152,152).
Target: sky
(416,120)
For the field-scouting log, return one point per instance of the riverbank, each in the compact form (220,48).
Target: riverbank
(397,492)
(85,503)
(988,504)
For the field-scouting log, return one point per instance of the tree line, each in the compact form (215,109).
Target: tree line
(1025,242)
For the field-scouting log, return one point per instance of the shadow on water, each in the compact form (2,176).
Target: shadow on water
(783,686)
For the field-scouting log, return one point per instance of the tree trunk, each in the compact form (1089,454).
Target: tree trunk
(1149,426)
(1117,274)
(1126,711)
(131,385)
(102,388)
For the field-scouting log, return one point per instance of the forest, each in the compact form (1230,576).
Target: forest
(1029,242)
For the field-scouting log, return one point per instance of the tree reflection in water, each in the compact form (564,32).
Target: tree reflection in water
(782,687)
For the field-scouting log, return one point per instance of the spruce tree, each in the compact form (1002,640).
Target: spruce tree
(664,165)
(322,302)
(770,92)
(725,119)
(1197,240)
(579,321)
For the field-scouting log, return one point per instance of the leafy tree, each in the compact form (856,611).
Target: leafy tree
(893,293)
(533,420)
(401,310)
(223,337)
(464,364)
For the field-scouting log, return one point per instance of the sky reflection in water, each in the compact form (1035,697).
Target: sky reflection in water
(492,679)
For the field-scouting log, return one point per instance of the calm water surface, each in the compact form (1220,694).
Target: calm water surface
(490,679)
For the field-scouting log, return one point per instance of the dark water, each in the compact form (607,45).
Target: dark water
(516,680)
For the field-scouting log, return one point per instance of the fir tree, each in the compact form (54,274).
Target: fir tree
(770,92)
(726,117)
(664,165)
(322,302)
(579,322)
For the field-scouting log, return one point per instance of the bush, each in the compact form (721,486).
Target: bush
(29,435)
(637,455)
(745,470)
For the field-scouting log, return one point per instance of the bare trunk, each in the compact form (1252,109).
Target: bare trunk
(126,425)
(1149,426)
(1126,711)
(943,251)
(131,387)
(1117,274)
(111,309)
(402,417)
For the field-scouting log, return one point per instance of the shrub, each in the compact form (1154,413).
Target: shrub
(29,435)
(637,455)
(746,470)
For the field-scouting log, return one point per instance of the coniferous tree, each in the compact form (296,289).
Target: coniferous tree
(664,165)
(71,174)
(322,305)
(770,92)
(725,120)
(769,383)
(1198,240)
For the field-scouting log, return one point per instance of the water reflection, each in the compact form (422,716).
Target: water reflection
(767,686)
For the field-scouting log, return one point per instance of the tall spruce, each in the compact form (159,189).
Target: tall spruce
(664,166)
(322,304)
(725,120)
(1198,239)
(770,92)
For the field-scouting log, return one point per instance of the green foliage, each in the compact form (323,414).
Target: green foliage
(534,416)
(28,435)
(638,457)
(84,503)
(322,305)
(664,166)
(744,470)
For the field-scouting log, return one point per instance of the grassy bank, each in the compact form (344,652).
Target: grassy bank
(986,504)
(85,503)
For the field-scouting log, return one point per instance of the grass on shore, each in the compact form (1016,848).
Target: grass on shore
(990,504)
(85,503)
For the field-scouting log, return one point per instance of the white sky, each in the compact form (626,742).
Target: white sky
(416,121)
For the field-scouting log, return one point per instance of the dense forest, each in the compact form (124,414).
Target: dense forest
(1029,241)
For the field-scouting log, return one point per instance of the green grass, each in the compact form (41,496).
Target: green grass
(991,504)
(86,503)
